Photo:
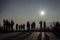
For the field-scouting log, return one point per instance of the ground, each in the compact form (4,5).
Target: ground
(28,36)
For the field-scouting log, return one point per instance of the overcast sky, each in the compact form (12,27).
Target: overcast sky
(28,10)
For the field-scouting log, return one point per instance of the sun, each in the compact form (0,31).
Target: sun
(42,13)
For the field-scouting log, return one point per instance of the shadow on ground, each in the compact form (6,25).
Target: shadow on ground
(20,36)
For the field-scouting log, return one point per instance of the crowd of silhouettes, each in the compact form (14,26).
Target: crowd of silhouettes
(8,26)
(28,25)
(42,25)
(20,27)
(56,27)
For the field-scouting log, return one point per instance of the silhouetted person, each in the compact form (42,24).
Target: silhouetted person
(19,27)
(44,25)
(33,25)
(12,24)
(56,28)
(7,25)
(4,24)
(16,27)
(40,25)
(24,26)
(28,26)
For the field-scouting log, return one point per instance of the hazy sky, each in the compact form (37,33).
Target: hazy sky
(28,10)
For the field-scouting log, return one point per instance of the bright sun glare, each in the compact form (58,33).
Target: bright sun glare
(42,13)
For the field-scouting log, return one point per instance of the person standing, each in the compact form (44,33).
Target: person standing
(28,25)
(12,24)
(40,25)
(16,27)
(33,25)
(4,24)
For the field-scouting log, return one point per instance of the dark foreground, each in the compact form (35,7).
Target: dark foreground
(29,36)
